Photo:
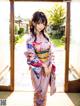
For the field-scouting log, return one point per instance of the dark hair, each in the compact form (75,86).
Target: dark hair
(38,17)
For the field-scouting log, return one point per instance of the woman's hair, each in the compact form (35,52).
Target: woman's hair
(38,17)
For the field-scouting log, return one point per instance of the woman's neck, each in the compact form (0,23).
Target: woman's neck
(40,37)
(38,34)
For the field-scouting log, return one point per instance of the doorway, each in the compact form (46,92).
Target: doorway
(22,74)
(69,85)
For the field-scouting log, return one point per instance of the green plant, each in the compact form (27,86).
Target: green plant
(57,42)
(21,35)
(19,38)
(16,39)
(15,29)
(56,26)
(21,31)
(63,39)
(57,15)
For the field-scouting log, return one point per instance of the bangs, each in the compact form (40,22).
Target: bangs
(39,17)
(41,20)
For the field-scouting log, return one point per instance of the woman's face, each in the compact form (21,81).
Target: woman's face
(39,27)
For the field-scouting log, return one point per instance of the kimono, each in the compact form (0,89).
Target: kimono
(38,53)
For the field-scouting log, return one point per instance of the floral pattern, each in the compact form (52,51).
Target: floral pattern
(38,53)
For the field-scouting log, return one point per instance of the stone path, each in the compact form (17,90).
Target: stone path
(26,99)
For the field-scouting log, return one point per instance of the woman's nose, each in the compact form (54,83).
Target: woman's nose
(41,25)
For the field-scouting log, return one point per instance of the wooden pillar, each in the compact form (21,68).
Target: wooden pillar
(12,44)
(67,46)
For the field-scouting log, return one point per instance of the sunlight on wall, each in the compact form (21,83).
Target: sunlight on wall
(4,43)
(4,17)
(75,21)
(75,36)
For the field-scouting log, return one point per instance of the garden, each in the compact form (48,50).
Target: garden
(55,29)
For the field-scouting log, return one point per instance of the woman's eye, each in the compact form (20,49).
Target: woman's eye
(38,23)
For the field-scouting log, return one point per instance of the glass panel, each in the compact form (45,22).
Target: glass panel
(74,64)
(4,43)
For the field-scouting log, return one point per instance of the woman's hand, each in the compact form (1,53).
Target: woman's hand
(29,55)
(47,69)
(52,56)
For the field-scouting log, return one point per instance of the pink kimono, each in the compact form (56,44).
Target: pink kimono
(38,53)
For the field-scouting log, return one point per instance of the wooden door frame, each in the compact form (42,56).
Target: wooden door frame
(45,0)
(11,86)
(67,45)
(73,85)
(12,44)
(12,40)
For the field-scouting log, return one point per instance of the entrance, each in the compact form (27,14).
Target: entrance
(68,86)
(22,73)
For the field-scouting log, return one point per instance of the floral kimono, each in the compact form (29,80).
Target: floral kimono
(38,53)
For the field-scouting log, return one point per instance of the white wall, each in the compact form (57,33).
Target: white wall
(75,36)
(4,34)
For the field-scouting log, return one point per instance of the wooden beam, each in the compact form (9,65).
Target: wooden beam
(5,88)
(45,0)
(74,86)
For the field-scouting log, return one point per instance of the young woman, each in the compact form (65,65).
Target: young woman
(39,59)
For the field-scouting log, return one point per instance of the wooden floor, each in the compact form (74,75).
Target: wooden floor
(18,98)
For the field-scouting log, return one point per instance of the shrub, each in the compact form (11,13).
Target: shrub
(56,31)
(21,35)
(15,29)
(63,39)
(16,39)
(21,31)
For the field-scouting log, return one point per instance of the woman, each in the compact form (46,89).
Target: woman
(39,59)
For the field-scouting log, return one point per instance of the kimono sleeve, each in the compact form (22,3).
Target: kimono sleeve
(52,53)
(31,56)
(52,57)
